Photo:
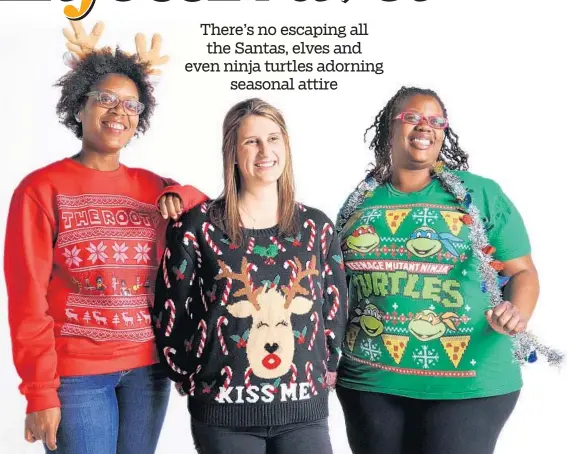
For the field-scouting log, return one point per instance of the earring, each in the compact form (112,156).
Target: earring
(77,118)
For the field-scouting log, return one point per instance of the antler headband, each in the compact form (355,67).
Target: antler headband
(80,45)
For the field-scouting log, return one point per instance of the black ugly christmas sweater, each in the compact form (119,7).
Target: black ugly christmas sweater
(250,332)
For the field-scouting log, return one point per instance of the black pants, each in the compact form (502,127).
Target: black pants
(384,424)
(302,438)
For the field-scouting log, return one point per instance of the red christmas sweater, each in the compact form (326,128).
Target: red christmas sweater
(81,255)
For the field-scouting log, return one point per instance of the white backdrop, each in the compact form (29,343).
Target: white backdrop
(497,66)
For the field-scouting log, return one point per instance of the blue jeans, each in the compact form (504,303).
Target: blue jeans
(120,413)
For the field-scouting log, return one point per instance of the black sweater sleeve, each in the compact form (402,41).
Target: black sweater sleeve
(172,322)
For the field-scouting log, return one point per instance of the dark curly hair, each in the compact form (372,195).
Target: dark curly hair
(88,73)
(451,153)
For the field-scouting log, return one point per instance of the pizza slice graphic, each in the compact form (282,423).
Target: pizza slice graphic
(453,220)
(394,218)
(396,345)
(455,347)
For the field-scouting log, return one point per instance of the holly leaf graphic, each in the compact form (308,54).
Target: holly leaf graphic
(304,331)
(296,333)
(225,240)
(277,382)
(277,280)
(183,266)
(235,337)
(246,334)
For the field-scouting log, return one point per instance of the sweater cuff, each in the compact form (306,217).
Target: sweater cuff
(42,399)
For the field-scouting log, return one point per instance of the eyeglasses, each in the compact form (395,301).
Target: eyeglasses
(413,118)
(109,100)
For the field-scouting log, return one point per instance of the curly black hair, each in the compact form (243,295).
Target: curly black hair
(451,154)
(88,73)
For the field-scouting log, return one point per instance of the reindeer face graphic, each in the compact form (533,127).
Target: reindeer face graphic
(271,344)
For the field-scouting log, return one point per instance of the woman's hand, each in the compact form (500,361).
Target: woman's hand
(170,206)
(42,425)
(506,319)
(331,380)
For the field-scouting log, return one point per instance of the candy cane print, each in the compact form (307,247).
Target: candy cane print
(208,227)
(293,378)
(308,372)
(167,254)
(309,223)
(275,241)
(311,284)
(227,287)
(327,230)
(247,376)
(251,243)
(336,301)
(203,327)
(166,352)
(192,380)
(329,333)
(227,372)
(315,319)
(176,225)
(203,298)
(301,207)
(293,267)
(188,237)
(327,270)
(169,304)
(220,322)
(204,207)
(192,278)
(251,267)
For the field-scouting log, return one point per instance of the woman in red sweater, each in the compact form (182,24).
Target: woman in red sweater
(83,243)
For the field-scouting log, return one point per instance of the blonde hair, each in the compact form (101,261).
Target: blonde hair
(224,211)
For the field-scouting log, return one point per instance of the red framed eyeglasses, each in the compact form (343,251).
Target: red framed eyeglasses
(413,118)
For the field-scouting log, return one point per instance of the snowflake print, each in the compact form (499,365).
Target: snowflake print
(120,252)
(72,257)
(425,217)
(142,253)
(370,216)
(97,252)
(370,350)
(425,357)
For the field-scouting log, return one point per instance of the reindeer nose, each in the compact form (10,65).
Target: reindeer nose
(271,348)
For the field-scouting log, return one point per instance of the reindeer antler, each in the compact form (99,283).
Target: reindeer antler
(79,42)
(152,57)
(243,276)
(295,287)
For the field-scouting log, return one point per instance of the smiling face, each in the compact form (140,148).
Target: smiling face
(427,325)
(363,239)
(417,146)
(109,130)
(371,321)
(424,242)
(261,151)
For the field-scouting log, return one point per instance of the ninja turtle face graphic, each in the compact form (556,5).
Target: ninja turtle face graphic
(424,242)
(370,320)
(427,325)
(363,239)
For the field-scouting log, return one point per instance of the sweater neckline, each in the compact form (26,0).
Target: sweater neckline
(270,231)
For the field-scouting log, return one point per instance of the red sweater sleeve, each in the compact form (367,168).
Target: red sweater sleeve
(28,262)
(190,195)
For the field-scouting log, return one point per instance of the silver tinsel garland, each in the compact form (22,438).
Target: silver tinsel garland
(527,346)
